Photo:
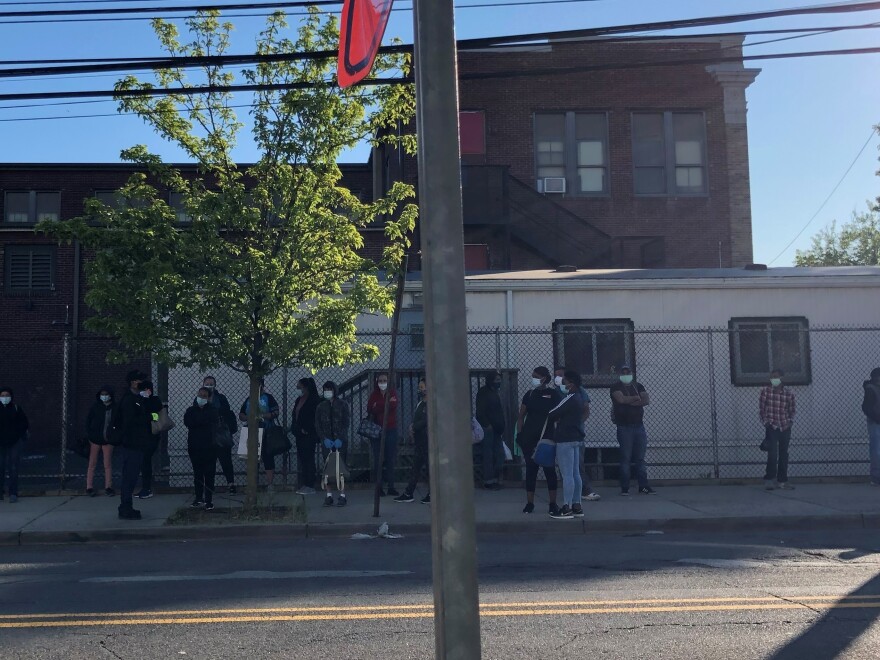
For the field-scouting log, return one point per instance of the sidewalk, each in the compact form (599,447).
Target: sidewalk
(713,508)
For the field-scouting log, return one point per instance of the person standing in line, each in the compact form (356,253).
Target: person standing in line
(628,401)
(536,404)
(303,428)
(871,408)
(201,419)
(332,419)
(269,412)
(13,431)
(154,405)
(490,415)
(776,410)
(376,411)
(587,491)
(421,460)
(99,426)
(567,418)
(224,454)
(133,427)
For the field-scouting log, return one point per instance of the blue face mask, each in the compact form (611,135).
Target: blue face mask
(563,388)
(201,401)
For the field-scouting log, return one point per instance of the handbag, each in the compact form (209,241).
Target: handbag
(477,432)
(545,451)
(243,441)
(275,441)
(164,423)
(222,435)
(369,429)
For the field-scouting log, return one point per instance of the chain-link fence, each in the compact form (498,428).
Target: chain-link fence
(702,421)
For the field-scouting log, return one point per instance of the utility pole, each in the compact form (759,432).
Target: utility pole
(453,530)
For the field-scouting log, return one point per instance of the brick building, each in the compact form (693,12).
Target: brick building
(626,165)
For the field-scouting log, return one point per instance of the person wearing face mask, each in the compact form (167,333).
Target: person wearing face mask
(376,411)
(227,417)
(201,419)
(776,410)
(332,419)
(99,425)
(536,404)
(13,430)
(567,419)
(154,405)
(303,429)
(871,408)
(419,434)
(269,412)
(490,415)
(628,401)
(133,424)
(587,491)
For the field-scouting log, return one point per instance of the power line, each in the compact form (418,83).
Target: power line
(827,199)
(548,71)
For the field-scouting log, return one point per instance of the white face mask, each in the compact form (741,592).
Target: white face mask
(210,388)
(558,381)
(328,394)
(536,382)
(105,398)
(5,400)
(383,386)
(776,382)
(626,379)
(145,394)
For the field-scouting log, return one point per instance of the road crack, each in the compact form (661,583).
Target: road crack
(104,646)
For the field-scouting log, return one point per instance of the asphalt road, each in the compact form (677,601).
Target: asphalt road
(806,596)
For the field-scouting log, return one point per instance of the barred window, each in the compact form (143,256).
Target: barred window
(29,268)
(595,348)
(761,345)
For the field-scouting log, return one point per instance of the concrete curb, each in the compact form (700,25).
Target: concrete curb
(531,527)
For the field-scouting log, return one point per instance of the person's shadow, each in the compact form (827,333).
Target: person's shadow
(837,628)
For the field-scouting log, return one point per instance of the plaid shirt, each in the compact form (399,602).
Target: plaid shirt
(777,407)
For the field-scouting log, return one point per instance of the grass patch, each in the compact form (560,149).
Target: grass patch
(262,514)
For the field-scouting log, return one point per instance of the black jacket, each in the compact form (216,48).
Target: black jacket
(134,417)
(303,425)
(871,401)
(567,416)
(13,422)
(201,423)
(221,404)
(96,422)
(420,423)
(490,412)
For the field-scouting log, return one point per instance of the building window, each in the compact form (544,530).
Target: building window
(417,336)
(669,153)
(760,345)
(29,268)
(572,146)
(595,348)
(31,207)
(176,201)
(111,198)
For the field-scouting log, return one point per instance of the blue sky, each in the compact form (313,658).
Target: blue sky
(808,118)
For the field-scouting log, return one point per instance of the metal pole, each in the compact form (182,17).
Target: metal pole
(456,601)
(65,408)
(713,406)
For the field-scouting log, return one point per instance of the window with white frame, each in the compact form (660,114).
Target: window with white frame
(595,348)
(669,153)
(572,146)
(29,268)
(31,206)
(761,345)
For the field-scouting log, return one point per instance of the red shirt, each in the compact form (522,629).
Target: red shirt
(376,407)
(777,407)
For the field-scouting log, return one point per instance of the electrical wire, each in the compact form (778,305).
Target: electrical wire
(827,199)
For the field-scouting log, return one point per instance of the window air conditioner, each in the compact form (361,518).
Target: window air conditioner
(554,184)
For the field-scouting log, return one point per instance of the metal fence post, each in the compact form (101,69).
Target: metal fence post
(498,349)
(713,405)
(285,459)
(65,408)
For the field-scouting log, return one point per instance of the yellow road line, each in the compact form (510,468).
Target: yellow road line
(426,614)
(429,606)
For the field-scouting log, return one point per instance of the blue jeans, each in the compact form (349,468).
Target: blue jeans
(567,455)
(390,456)
(777,455)
(10,458)
(874,448)
(633,441)
(586,489)
(493,456)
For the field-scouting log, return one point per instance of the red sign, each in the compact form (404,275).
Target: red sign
(360,35)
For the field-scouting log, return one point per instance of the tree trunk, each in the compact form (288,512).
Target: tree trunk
(253,457)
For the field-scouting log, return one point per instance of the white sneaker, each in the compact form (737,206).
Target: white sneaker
(784,485)
(592,497)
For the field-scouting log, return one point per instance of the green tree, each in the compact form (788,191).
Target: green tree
(265,271)
(855,243)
